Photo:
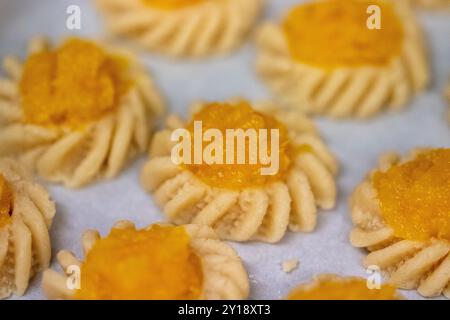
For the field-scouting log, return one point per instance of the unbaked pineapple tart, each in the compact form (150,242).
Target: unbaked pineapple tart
(250,171)
(76,112)
(26,214)
(161,262)
(344,58)
(447,96)
(333,287)
(401,214)
(183,28)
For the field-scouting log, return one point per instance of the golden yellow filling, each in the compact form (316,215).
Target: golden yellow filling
(73,85)
(6,202)
(414,197)
(334,33)
(157,263)
(343,289)
(172,4)
(235,175)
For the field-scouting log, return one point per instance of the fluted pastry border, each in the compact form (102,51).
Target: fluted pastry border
(209,28)
(262,214)
(225,277)
(317,279)
(447,96)
(344,92)
(78,157)
(25,247)
(421,265)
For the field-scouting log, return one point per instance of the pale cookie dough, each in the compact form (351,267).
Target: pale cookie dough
(25,247)
(289,265)
(344,89)
(411,264)
(262,213)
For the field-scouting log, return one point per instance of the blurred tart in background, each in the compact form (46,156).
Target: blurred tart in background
(161,262)
(333,58)
(76,112)
(401,214)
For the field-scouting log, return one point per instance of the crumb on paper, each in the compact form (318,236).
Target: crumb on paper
(290,265)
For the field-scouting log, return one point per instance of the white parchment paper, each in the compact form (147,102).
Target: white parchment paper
(357,145)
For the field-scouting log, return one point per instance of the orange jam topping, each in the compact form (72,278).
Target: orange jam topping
(232,174)
(335,33)
(6,202)
(343,289)
(152,264)
(414,196)
(73,85)
(171,4)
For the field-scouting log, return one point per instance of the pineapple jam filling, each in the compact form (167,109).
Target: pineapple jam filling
(73,85)
(334,33)
(172,4)
(414,197)
(6,202)
(152,264)
(343,289)
(235,176)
